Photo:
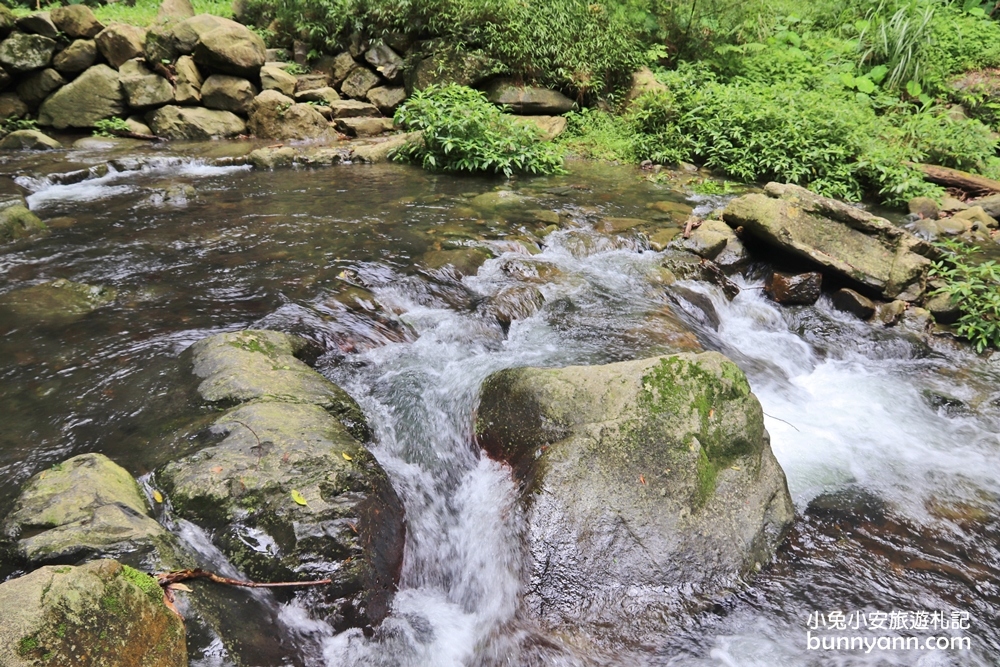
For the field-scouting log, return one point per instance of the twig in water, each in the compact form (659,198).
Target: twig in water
(167,578)
(782,421)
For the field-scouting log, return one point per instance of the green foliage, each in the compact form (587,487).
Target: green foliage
(581,45)
(976,287)
(599,135)
(110,127)
(296,69)
(9,125)
(462,131)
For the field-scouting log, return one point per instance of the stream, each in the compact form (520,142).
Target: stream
(890,446)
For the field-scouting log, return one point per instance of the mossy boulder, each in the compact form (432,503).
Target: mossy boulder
(290,492)
(94,95)
(83,508)
(264,365)
(57,301)
(194,123)
(649,487)
(879,257)
(22,52)
(17,222)
(100,614)
(446,66)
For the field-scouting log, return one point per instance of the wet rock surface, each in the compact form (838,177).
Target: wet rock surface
(57,301)
(100,614)
(849,241)
(290,490)
(83,508)
(649,486)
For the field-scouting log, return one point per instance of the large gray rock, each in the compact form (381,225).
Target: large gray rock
(143,88)
(337,67)
(229,93)
(837,237)
(58,301)
(290,472)
(17,222)
(78,56)
(364,127)
(188,32)
(27,140)
(83,508)
(649,487)
(275,116)
(39,23)
(11,106)
(549,127)
(273,77)
(76,21)
(22,53)
(173,11)
(36,87)
(264,366)
(382,151)
(359,82)
(187,87)
(387,98)
(528,100)
(195,123)
(353,109)
(230,48)
(386,62)
(161,45)
(120,42)
(442,68)
(100,614)
(325,96)
(94,95)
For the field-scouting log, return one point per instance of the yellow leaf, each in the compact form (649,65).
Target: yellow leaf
(157,496)
(179,587)
(348,457)
(297,497)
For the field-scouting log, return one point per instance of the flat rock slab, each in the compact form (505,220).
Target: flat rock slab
(57,301)
(528,100)
(101,614)
(849,241)
(649,487)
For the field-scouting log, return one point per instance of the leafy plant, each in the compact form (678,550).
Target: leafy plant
(296,69)
(897,40)
(9,125)
(462,131)
(975,286)
(110,127)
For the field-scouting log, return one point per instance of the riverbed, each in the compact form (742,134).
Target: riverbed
(890,444)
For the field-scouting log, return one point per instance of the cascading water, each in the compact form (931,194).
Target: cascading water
(889,448)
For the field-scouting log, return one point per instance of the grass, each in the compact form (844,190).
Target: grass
(142,13)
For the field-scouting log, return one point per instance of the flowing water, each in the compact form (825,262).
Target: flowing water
(890,447)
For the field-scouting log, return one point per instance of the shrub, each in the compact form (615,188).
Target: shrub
(581,45)
(462,131)
(974,285)
(110,127)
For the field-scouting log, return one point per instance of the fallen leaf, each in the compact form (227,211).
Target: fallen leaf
(157,496)
(217,469)
(179,587)
(348,457)
(711,413)
(298,497)
(642,479)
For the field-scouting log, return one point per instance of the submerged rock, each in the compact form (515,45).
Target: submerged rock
(100,614)
(17,222)
(838,237)
(57,301)
(86,507)
(649,486)
(290,492)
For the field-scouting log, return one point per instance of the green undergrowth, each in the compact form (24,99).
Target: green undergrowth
(463,132)
(140,12)
(975,285)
